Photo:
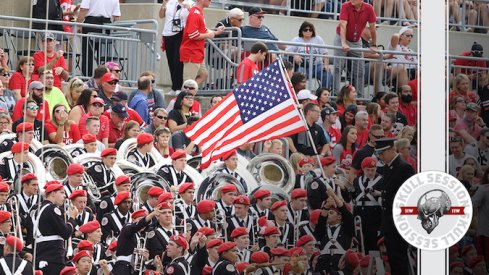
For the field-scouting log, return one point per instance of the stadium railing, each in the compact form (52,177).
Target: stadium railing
(480,74)
(478,9)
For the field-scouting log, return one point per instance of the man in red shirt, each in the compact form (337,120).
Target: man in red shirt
(36,92)
(472,68)
(51,60)
(247,68)
(193,42)
(361,124)
(354,16)
(117,122)
(405,105)
(96,109)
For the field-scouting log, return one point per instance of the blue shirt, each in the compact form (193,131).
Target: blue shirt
(140,104)
(260,33)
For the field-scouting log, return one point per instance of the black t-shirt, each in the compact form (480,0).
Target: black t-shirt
(177,117)
(38,129)
(360,155)
(303,144)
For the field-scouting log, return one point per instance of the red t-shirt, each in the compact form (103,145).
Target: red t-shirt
(114,133)
(469,97)
(17,81)
(246,69)
(469,63)
(410,112)
(69,137)
(132,115)
(104,126)
(192,50)
(389,134)
(334,135)
(19,112)
(362,138)
(39,61)
(414,88)
(357,20)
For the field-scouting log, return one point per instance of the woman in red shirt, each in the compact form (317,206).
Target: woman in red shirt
(83,104)
(61,130)
(461,87)
(346,97)
(162,136)
(22,77)
(343,151)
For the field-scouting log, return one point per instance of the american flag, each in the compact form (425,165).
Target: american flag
(260,109)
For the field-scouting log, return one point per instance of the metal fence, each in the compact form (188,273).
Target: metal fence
(132,44)
(472,16)
(381,73)
(477,69)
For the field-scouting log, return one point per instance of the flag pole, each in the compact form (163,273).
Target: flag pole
(301,112)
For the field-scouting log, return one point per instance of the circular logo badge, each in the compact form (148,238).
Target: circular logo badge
(432,210)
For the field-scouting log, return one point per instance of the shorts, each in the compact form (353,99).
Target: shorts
(192,70)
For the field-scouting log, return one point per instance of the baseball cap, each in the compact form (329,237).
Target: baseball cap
(120,110)
(306,94)
(48,35)
(472,106)
(254,11)
(403,30)
(119,96)
(108,77)
(36,85)
(477,47)
(328,110)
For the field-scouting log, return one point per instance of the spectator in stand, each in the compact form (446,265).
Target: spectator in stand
(180,141)
(461,86)
(472,68)
(7,97)
(324,98)
(177,118)
(387,6)
(457,156)
(402,72)
(96,109)
(36,93)
(82,105)
(51,10)
(52,94)
(116,70)
(354,16)
(256,29)
(69,13)
(346,97)
(50,59)
(387,122)
(320,60)
(95,81)
(305,97)
(348,117)
(375,132)
(458,105)
(175,13)
(374,113)
(189,86)
(406,107)
(162,136)
(298,81)
(30,115)
(61,130)
(108,81)
(193,43)
(4,62)
(247,68)
(333,134)
(75,88)
(131,130)
(139,101)
(344,151)
(155,98)
(409,133)
(361,124)
(160,119)
(92,127)
(5,123)
(472,161)
(403,148)
(215,99)
(481,208)
(121,97)
(23,76)
(234,19)
(392,107)
(483,93)
(117,123)
(472,123)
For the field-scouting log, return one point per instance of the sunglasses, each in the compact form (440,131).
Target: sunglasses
(259,16)
(189,87)
(409,35)
(60,111)
(378,137)
(117,71)
(33,108)
(478,52)
(98,105)
(5,74)
(47,72)
(162,117)
(307,30)
(112,83)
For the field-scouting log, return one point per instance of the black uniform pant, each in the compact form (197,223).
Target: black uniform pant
(370,226)
(122,267)
(397,252)
(328,262)
(172,46)
(52,268)
(91,45)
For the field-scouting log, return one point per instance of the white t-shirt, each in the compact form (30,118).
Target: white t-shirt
(405,58)
(306,50)
(104,8)
(176,10)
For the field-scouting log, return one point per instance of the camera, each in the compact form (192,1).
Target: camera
(176,25)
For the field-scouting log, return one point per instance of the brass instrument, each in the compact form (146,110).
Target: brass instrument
(298,265)
(35,166)
(221,224)
(14,206)
(129,146)
(272,169)
(56,160)
(180,228)
(296,228)
(210,188)
(138,255)
(357,221)
(69,244)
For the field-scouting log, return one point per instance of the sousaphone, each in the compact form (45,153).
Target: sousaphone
(35,166)
(56,160)
(129,146)
(272,169)
(142,182)
(210,188)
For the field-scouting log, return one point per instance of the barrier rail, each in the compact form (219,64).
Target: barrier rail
(477,71)
(120,42)
(469,15)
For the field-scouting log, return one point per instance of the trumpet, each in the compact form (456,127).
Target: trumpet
(221,224)
(357,221)
(69,245)
(179,211)
(139,252)
(14,205)
(296,228)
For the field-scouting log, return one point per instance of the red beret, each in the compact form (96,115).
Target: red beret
(178,239)
(4,215)
(369,162)
(15,242)
(475,261)
(229,154)
(276,205)
(27,177)
(112,246)
(351,258)
(205,206)
(78,193)
(226,247)
(37,272)
(306,160)
(139,213)
(467,248)
(19,147)
(303,240)
(327,161)
(122,196)
(380,241)
(108,152)
(89,227)
(262,221)
(164,197)
(207,270)
(165,205)
(241,266)
(365,261)
(213,243)
(85,245)
(81,254)
(260,257)
(261,193)
(75,168)
(185,186)
(279,251)
(53,187)
(229,188)
(4,187)
(155,191)
(242,199)
(296,251)
(271,230)
(239,231)
(89,138)
(314,216)
(51,182)
(178,154)
(122,179)
(298,193)
(144,138)
(24,127)
(68,270)
(206,231)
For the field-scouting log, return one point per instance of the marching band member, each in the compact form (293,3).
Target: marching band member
(10,167)
(166,197)
(12,262)
(25,133)
(68,270)
(297,207)
(122,184)
(366,202)
(272,239)
(278,256)
(280,212)
(5,226)
(309,229)
(90,143)
(213,256)
(228,194)
(335,225)
(228,257)
(114,221)
(83,262)
(78,199)
(28,196)
(261,257)
(205,214)
(263,202)
(51,230)
(308,244)
(75,178)
(153,194)
(306,166)
(93,234)
(316,193)
(128,240)
(141,156)
(159,237)
(241,237)
(348,264)
(4,193)
(241,217)
(230,160)
(186,205)
(176,250)
(174,173)
(201,245)
(102,173)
